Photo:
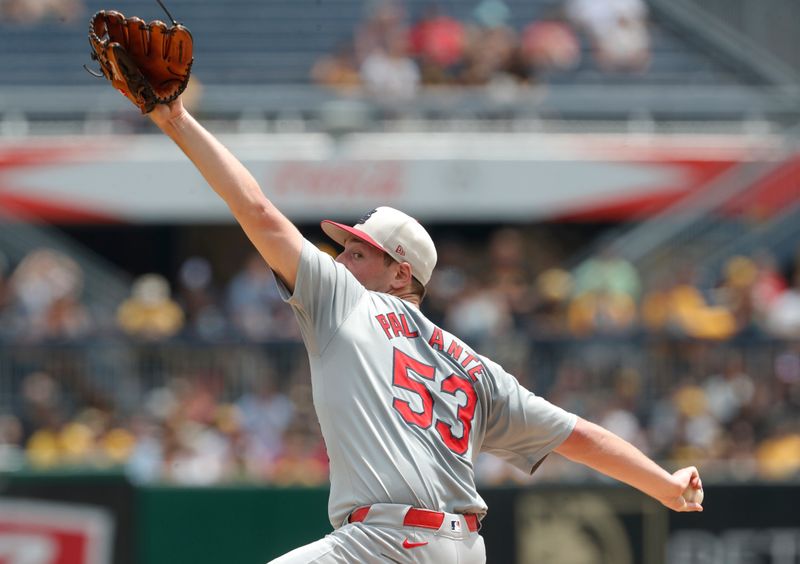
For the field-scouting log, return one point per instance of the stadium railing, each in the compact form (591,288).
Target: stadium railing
(124,372)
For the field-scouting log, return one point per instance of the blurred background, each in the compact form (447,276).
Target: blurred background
(614,190)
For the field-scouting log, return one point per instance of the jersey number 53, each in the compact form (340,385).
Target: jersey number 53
(404,367)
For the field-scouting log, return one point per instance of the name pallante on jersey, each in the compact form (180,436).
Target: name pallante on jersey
(397,325)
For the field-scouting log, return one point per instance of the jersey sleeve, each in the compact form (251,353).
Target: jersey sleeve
(325,293)
(522,428)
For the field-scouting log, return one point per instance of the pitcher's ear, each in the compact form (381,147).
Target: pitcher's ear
(402,274)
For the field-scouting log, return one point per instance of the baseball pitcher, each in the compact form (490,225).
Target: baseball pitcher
(404,406)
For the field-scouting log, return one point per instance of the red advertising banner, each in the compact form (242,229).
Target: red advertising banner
(37,532)
(441,177)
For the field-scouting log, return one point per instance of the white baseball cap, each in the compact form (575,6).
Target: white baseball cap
(394,232)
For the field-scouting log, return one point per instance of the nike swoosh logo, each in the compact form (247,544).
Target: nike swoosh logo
(408,544)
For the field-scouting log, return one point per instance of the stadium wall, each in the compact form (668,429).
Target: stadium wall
(586,523)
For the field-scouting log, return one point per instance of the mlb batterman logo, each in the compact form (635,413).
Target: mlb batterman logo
(400,250)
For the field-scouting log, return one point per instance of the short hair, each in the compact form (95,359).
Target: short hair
(417,287)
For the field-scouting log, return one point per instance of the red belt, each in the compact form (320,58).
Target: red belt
(424,518)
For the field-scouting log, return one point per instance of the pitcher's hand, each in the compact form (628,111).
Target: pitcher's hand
(684,478)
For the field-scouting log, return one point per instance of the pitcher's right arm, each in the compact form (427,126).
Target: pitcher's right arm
(602,450)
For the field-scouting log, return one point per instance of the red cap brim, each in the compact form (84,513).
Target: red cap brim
(341,233)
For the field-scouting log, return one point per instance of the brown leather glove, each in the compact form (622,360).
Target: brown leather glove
(149,63)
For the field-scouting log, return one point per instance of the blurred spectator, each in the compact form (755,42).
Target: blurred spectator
(202,458)
(76,442)
(198,299)
(84,441)
(779,454)
(737,459)
(730,391)
(784,392)
(265,415)
(187,435)
(549,315)
(117,445)
(617,31)
(736,292)
(601,312)
(5,297)
(783,315)
(195,454)
(147,454)
(388,72)
(29,12)
(606,289)
(490,56)
(676,306)
(12,455)
(607,272)
(549,45)
(150,313)
(543,46)
(42,403)
(448,280)
(787,366)
(510,276)
(438,43)
(302,460)
(479,313)
(622,421)
(491,14)
(228,421)
(41,450)
(67,318)
(769,284)
(45,294)
(254,305)
(384,23)
(338,70)
(697,431)
(654,311)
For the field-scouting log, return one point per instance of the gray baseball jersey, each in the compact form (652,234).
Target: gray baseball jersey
(404,406)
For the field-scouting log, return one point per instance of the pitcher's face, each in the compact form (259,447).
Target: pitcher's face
(367,264)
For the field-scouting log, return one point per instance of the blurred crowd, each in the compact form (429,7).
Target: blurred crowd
(503,286)
(686,368)
(391,57)
(30,12)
